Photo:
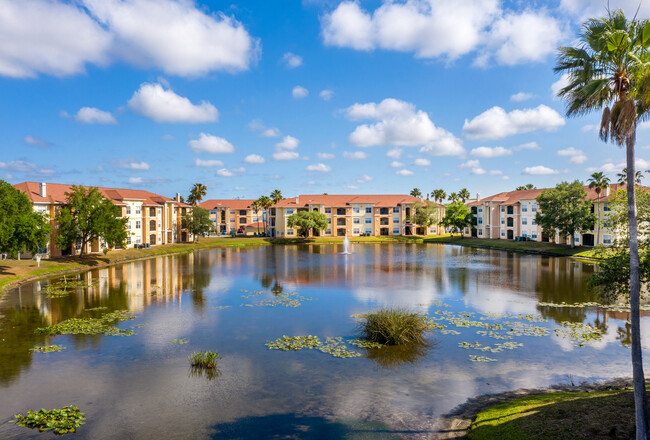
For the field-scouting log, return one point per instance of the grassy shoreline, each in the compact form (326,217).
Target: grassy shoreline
(16,272)
(530,247)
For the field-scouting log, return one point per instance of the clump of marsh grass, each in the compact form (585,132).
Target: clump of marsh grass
(393,326)
(204,359)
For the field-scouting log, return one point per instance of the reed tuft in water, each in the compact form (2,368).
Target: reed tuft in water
(394,326)
(204,359)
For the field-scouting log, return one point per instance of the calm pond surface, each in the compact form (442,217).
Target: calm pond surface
(236,300)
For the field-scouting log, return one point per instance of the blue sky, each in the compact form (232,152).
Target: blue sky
(308,97)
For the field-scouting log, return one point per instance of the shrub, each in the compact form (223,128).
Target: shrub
(393,327)
(204,359)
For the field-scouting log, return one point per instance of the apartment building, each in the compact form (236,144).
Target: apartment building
(355,215)
(511,214)
(233,215)
(152,219)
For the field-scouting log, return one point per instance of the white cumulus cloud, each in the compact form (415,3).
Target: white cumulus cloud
(38,142)
(325,156)
(254,158)
(291,60)
(285,155)
(288,143)
(401,125)
(207,143)
(91,115)
(223,172)
(394,153)
(396,164)
(521,96)
(320,167)
(539,170)
(558,85)
(299,92)
(422,162)
(364,179)
(575,156)
(357,155)
(495,123)
(404,172)
(132,164)
(488,152)
(326,94)
(208,163)
(163,105)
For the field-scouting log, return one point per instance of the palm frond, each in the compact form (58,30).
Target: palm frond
(605,121)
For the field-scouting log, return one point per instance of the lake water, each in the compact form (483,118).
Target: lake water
(236,300)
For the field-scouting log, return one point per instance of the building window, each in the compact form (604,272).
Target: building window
(396,209)
(511,222)
(137,224)
(576,237)
(524,208)
(329,221)
(138,240)
(290,211)
(480,220)
(503,209)
(532,222)
(328,232)
(383,222)
(152,225)
(395,231)
(368,231)
(534,207)
(524,221)
(607,239)
(232,220)
(356,210)
(432,230)
(328,210)
(289,231)
(128,209)
(152,212)
(128,239)
(503,221)
(242,220)
(242,212)
(137,209)
(356,220)
(356,231)
(340,211)
(213,212)
(606,207)
(503,233)
(511,210)
(232,212)
(340,222)
(396,220)
(480,209)
(383,211)
(533,235)
(480,232)
(368,220)
(368,210)
(128,224)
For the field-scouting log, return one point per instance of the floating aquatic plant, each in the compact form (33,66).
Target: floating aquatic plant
(222,307)
(104,325)
(180,341)
(59,421)
(285,299)
(204,359)
(63,288)
(96,309)
(47,348)
(333,345)
(578,333)
(475,358)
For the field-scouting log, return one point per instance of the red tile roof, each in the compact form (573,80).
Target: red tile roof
(376,200)
(55,193)
(227,203)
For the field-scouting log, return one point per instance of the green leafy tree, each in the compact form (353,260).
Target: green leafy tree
(609,67)
(415,192)
(307,220)
(457,217)
(424,214)
(197,193)
(21,229)
(198,222)
(598,182)
(89,216)
(525,187)
(464,195)
(439,195)
(566,209)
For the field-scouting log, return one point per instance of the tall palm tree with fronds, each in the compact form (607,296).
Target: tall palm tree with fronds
(608,70)
(415,192)
(197,193)
(622,177)
(276,197)
(255,206)
(265,203)
(439,195)
(464,194)
(454,197)
(598,182)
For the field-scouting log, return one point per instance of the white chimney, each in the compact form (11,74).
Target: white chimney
(178,197)
(43,189)
(298,200)
(478,196)
(606,191)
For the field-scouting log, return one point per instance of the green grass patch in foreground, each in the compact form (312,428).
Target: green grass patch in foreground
(558,416)
(519,246)
(393,327)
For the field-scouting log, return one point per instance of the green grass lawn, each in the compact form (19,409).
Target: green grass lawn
(559,416)
(519,246)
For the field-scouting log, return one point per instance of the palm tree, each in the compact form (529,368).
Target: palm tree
(610,67)
(276,197)
(598,182)
(525,187)
(622,177)
(454,197)
(265,203)
(464,194)
(439,195)
(196,194)
(415,192)
(255,206)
